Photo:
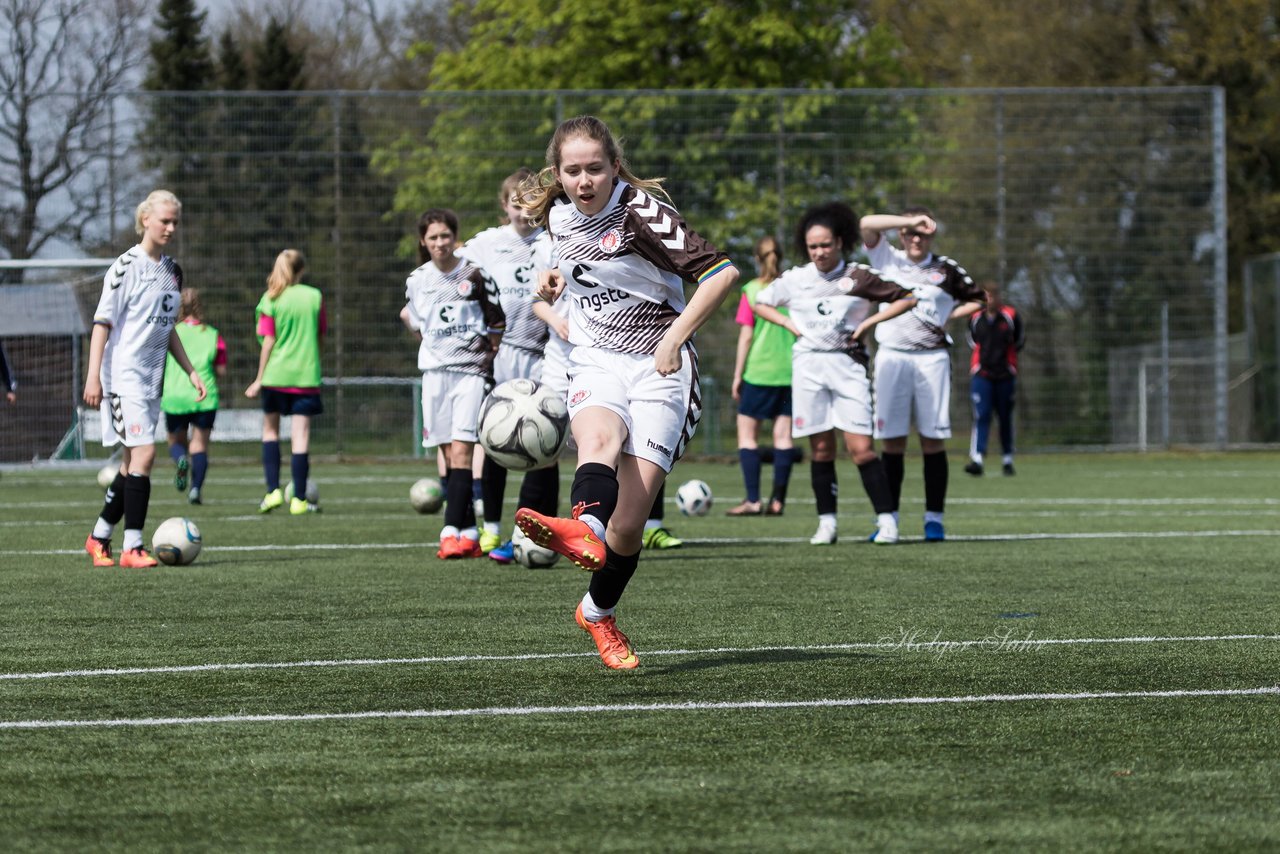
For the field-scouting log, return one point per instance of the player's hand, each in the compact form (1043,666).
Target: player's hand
(666,359)
(736,389)
(253,389)
(550,285)
(11,396)
(863,329)
(93,392)
(925,224)
(561,328)
(201,391)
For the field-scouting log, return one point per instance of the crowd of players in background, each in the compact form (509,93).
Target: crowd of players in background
(581,288)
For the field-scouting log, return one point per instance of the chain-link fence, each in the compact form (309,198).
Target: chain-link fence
(1102,212)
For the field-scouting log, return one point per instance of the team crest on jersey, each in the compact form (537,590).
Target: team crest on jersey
(464,288)
(936,277)
(610,241)
(579,397)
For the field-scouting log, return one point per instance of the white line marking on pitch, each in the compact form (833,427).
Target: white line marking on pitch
(889,642)
(728,705)
(974,538)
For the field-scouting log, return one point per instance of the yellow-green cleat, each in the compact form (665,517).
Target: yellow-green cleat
(272,500)
(660,538)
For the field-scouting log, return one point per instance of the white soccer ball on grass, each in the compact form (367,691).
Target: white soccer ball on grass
(176,541)
(427,495)
(694,498)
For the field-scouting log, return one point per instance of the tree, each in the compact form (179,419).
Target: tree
(180,60)
(61,64)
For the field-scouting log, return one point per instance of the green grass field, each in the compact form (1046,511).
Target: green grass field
(1089,663)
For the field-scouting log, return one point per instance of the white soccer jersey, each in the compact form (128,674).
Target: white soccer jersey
(938,283)
(624,269)
(507,260)
(455,313)
(827,307)
(140,300)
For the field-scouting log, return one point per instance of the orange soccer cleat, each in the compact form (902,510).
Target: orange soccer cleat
(99,550)
(615,650)
(459,547)
(137,558)
(572,538)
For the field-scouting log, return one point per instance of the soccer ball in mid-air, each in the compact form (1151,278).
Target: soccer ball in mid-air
(313,491)
(523,425)
(107,474)
(176,542)
(427,495)
(694,498)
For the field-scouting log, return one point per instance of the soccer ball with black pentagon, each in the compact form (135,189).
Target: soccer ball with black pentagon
(694,498)
(176,542)
(523,425)
(529,554)
(427,495)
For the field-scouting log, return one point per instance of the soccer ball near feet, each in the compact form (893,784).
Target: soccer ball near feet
(427,495)
(176,542)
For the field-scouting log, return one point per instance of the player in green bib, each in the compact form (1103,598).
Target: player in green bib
(290,324)
(762,389)
(190,421)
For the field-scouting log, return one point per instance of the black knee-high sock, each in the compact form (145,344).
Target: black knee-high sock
(137,495)
(608,582)
(595,486)
(749,460)
(271,465)
(783,460)
(894,470)
(113,502)
(659,509)
(540,490)
(935,481)
(493,489)
(458,510)
(876,483)
(823,477)
(199,468)
(300,468)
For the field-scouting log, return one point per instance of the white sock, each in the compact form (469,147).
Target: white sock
(650,524)
(102,529)
(591,613)
(132,539)
(932,516)
(1008,459)
(494,528)
(976,457)
(827,520)
(470,534)
(596,526)
(448,532)
(884,520)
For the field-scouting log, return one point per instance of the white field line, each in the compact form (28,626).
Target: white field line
(975,538)
(730,705)
(899,641)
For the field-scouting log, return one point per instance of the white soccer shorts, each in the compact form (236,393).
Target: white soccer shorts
(516,363)
(660,413)
(829,391)
(450,407)
(906,380)
(128,421)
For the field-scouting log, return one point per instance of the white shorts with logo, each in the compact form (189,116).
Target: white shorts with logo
(128,421)
(829,391)
(512,363)
(660,413)
(913,379)
(451,407)
(555,366)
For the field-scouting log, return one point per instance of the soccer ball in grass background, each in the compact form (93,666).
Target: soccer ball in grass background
(529,554)
(313,491)
(427,495)
(176,542)
(523,426)
(694,498)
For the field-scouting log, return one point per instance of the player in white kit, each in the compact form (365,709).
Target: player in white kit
(134,330)
(506,256)
(913,362)
(832,306)
(623,253)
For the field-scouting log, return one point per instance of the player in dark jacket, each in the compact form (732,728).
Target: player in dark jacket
(996,335)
